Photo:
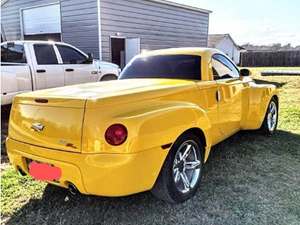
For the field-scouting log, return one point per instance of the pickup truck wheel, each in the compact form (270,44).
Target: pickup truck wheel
(180,176)
(109,77)
(269,125)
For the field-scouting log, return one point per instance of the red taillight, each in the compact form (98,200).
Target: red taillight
(116,134)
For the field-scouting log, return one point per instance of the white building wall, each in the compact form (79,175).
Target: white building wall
(237,56)
(229,48)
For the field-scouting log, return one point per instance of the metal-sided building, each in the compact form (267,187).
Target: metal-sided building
(113,30)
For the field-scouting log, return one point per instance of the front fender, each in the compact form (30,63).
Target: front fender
(259,97)
(108,69)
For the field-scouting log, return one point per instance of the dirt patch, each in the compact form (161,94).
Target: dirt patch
(4,164)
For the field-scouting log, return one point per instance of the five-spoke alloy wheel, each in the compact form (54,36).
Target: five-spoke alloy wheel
(186,166)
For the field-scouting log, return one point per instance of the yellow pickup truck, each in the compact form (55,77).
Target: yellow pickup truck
(152,129)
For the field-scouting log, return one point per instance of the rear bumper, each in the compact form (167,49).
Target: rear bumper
(95,174)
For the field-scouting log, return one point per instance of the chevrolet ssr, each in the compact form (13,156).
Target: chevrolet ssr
(152,129)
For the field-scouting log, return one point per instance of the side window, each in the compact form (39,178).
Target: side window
(45,54)
(70,55)
(220,71)
(223,68)
(13,53)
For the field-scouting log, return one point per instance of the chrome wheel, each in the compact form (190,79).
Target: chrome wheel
(187,166)
(272,116)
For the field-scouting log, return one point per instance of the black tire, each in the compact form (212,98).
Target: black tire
(165,187)
(265,127)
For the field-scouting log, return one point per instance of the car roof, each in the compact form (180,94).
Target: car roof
(179,51)
(35,42)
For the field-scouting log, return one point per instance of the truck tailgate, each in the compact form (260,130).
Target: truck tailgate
(51,123)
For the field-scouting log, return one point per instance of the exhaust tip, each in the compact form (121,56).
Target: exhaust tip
(73,189)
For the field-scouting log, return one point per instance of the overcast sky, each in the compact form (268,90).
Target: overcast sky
(255,21)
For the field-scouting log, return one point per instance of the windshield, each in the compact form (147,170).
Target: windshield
(187,67)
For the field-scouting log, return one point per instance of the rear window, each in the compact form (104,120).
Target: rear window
(13,53)
(187,67)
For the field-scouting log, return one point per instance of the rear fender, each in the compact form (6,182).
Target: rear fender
(161,126)
(153,126)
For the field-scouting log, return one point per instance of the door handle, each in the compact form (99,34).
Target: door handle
(69,70)
(41,71)
(218,96)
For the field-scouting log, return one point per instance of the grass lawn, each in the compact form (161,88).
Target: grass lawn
(249,179)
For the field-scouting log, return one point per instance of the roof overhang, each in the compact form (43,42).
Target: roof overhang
(166,2)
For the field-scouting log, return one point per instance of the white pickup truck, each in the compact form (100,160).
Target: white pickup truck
(33,65)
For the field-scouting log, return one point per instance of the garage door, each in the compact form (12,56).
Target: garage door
(41,20)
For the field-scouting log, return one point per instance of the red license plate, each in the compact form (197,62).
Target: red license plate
(44,171)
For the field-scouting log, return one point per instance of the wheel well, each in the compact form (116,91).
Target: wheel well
(108,75)
(276,98)
(199,133)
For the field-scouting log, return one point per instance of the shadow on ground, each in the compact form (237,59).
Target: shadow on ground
(249,179)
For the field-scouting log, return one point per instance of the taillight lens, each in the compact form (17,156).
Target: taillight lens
(116,134)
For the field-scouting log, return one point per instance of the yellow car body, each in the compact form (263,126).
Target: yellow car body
(154,111)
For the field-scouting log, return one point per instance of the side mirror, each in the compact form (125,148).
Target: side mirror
(90,58)
(245,72)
